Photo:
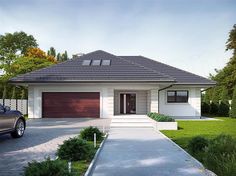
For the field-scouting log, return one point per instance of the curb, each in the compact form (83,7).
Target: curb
(207,172)
(92,164)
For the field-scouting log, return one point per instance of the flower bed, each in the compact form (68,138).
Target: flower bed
(77,151)
(163,122)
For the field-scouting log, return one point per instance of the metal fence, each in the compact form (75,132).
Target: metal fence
(16,104)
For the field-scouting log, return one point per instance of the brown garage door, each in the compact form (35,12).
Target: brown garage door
(70,104)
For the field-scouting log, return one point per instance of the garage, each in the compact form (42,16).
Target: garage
(70,104)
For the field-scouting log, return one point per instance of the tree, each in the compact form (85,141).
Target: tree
(58,57)
(52,52)
(233,105)
(27,64)
(207,97)
(13,96)
(64,56)
(231,42)
(226,77)
(38,53)
(205,105)
(224,104)
(215,102)
(13,45)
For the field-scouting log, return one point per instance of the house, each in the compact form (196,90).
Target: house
(102,85)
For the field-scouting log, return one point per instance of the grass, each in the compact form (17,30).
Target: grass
(209,129)
(81,166)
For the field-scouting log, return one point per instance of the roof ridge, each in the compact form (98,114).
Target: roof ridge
(147,68)
(174,67)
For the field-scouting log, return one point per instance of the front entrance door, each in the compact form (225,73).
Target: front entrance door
(128,103)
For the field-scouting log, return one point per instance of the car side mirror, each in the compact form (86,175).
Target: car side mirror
(7,108)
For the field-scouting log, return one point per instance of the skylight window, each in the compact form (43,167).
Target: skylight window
(106,62)
(86,62)
(96,62)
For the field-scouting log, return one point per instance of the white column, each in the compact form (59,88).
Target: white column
(154,100)
(124,103)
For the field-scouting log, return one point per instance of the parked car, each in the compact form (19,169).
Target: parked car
(11,121)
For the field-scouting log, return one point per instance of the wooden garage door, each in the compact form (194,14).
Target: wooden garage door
(70,104)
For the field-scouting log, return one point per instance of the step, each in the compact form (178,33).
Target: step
(131,117)
(132,124)
(131,120)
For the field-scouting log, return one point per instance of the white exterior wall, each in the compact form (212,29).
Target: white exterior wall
(183,110)
(106,95)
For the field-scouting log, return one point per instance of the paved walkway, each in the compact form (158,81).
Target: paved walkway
(41,139)
(143,152)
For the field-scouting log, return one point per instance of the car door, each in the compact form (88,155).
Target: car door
(7,119)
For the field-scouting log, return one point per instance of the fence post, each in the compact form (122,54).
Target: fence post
(94,140)
(3,101)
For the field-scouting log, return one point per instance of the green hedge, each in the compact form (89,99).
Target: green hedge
(160,117)
(88,134)
(48,168)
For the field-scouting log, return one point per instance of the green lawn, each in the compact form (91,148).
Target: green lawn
(209,129)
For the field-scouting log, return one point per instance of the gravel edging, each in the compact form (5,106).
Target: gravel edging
(92,164)
(208,172)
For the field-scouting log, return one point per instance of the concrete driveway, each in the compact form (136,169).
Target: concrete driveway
(41,139)
(139,152)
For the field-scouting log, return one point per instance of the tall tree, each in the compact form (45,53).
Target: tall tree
(233,105)
(58,57)
(64,56)
(224,103)
(226,77)
(13,96)
(13,45)
(231,42)
(52,51)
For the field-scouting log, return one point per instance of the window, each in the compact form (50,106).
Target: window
(86,62)
(96,62)
(106,62)
(177,96)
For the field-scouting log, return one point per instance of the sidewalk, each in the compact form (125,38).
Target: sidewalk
(135,152)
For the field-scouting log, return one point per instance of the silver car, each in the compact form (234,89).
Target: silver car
(11,121)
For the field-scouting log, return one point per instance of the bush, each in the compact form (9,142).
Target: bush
(47,168)
(88,134)
(75,149)
(197,144)
(205,107)
(214,108)
(160,117)
(223,109)
(220,155)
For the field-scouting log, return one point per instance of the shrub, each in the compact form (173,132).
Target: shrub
(205,107)
(75,149)
(223,109)
(160,117)
(197,144)
(220,155)
(214,108)
(47,168)
(88,134)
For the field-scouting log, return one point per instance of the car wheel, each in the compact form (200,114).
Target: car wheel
(19,129)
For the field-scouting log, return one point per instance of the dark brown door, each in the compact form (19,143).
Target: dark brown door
(129,103)
(70,104)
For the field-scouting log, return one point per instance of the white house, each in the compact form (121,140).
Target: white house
(102,85)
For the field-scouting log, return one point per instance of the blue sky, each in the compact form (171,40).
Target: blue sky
(188,34)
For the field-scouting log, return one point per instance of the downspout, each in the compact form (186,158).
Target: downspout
(159,95)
